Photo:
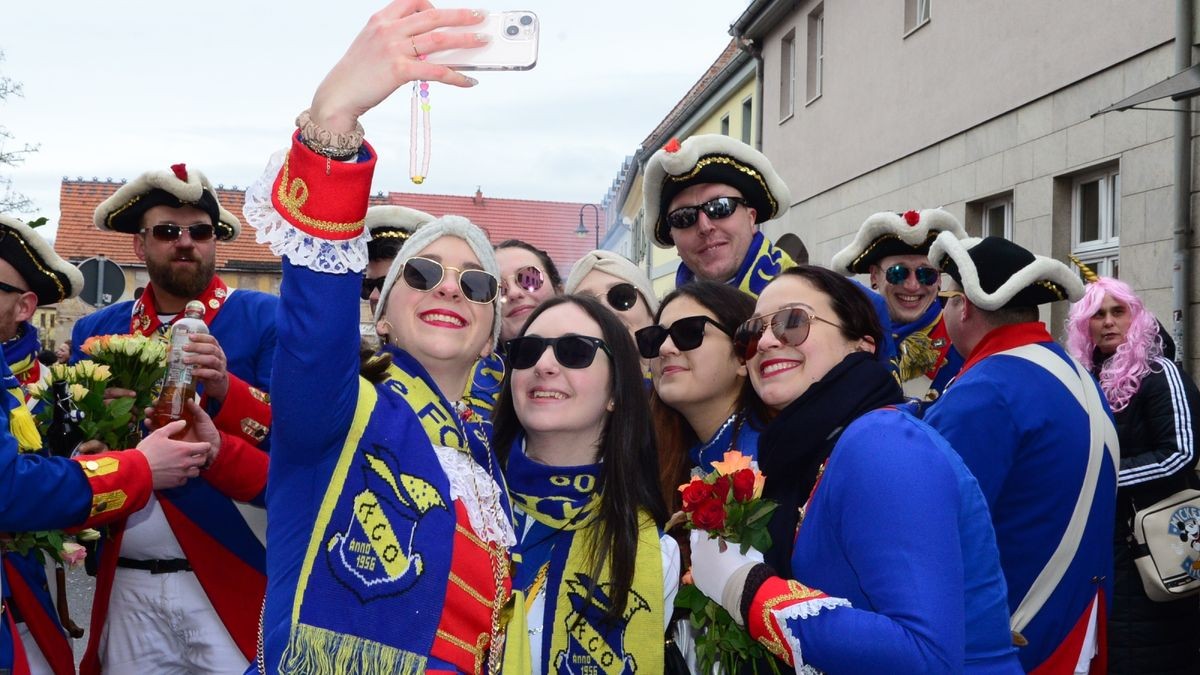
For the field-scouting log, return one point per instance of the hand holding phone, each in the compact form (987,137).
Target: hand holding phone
(513,44)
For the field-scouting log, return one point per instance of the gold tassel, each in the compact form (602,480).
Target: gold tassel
(1089,276)
(24,429)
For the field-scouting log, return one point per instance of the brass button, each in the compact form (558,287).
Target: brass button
(92,465)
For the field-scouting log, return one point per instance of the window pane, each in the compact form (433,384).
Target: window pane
(1115,201)
(1089,211)
(725,125)
(994,221)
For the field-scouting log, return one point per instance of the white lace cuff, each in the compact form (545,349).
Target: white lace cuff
(301,248)
(482,497)
(803,610)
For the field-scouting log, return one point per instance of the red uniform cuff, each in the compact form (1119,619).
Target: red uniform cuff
(240,470)
(323,197)
(245,412)
(121,484)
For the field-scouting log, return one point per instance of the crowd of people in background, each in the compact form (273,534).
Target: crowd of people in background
(487,486)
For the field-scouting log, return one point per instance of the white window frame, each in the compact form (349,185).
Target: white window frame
(917,14)
(815,73)
(1005,227)
(725,124)
(787,76)
(1102,254)
(748,120)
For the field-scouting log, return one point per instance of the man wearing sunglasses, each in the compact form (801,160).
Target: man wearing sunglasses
(206,546)
(390,227)
(894,249)
(1033,427)
(706,197)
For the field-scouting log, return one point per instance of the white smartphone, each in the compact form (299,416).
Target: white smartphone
(514,44)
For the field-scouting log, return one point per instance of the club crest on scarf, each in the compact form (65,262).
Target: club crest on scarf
(595,644)
(374,556)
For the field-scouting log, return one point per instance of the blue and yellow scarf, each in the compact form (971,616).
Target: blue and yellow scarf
(557,508)
(763,263)
(374,576)
(21,367)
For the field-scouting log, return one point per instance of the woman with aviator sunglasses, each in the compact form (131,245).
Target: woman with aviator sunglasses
(894,566)
(595,577)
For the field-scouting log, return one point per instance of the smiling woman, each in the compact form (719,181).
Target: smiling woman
(848,467)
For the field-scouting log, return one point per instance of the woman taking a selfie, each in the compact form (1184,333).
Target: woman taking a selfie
(702,403)
(895,567)
(389,537)
(596,577)
(1155,407)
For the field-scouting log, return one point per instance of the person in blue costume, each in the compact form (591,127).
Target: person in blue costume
(702,403)
(595,574)
(203,537)
(895,567)
(893,248)
(390,525)
(1036,432)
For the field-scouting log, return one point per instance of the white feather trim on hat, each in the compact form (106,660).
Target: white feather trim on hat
(398,217)
(1041,269)
(680,159)
(452,226)
(44,271)
(188,191)
(888,226)
(617,265)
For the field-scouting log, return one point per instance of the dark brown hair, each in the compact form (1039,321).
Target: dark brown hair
(854,310)
(543,258)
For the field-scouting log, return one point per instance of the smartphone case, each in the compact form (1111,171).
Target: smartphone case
(514,44)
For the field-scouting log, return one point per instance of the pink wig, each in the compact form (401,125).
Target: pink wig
(1121,376)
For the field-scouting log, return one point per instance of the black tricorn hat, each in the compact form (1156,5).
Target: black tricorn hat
(174,187)
(50,277)
(995,273)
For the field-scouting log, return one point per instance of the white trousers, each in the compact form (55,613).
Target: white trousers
(37,662)
(164,623)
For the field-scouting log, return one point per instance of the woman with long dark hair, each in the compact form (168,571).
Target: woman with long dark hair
(894,567)
(595,576)
(1156,408)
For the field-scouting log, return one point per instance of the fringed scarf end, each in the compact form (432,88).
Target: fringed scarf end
(316,650)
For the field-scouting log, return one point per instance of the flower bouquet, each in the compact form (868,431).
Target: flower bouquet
(727,503)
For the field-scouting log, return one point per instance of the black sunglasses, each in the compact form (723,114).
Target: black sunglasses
(9,288)
(898,274)
(790,326)
(370,285)
(686,333)
(622,297)
(571,351)
(528,279)
(172,232)
(423,274)
(716,209)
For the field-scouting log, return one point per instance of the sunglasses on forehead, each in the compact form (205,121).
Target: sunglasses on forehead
(172,232)
(790,326)
(571,351)
(686,334)
(529,279)
(423,274)
(898,274)
(716,209)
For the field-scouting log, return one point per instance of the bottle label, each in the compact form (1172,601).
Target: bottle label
(177,371)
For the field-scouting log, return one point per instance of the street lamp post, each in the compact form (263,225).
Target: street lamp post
(581,231)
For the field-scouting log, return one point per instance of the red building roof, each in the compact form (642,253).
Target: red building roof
(547,225)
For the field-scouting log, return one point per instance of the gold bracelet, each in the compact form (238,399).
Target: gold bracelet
(325,142)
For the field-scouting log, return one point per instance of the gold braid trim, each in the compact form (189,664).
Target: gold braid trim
(879,240)
(796,591)
(728,161)
(461,583)
(37,262)
(390,234)
(293,194)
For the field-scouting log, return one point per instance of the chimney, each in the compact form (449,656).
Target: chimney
(478,196)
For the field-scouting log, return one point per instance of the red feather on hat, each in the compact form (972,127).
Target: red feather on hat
(180,171)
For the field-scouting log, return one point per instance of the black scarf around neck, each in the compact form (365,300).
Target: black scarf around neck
(797,442)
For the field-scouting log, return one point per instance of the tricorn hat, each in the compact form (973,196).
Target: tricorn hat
(888,233)
(174,187)
(50,277)
(710,158)
(995,273)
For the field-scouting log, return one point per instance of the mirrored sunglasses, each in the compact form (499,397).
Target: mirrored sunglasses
(790,326)
(686,334)
(898,274)
(370,285)
(571,351)
(529,279)
(716,209)
(423,274)
(172,232)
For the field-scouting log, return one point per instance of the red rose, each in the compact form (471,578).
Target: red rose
(912,218)
(709,516)
(743,485)
(672,145)
(720,489)
(694,494)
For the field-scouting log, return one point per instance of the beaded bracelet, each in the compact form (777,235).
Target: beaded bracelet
(326,143)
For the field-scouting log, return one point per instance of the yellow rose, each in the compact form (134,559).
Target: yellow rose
(78,391)
(102,373)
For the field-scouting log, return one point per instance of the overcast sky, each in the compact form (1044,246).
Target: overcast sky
(113,89)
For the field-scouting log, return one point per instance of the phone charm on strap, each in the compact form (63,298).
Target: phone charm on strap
(419,107)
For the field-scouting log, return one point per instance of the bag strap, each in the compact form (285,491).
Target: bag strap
(1103,436)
